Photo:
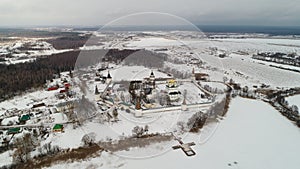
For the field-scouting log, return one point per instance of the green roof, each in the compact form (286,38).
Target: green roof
(58,126)
(13,130)
(25,117)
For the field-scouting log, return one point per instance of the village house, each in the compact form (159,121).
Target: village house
(24,118)
(58,128)
(15,130)
(65,106)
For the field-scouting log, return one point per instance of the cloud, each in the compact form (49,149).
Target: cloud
(95,12)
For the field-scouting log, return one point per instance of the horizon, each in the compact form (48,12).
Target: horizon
(270,30)
(92,12)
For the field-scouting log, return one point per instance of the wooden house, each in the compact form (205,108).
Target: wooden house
(58,128)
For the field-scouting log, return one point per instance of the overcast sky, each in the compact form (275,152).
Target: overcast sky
(99,12)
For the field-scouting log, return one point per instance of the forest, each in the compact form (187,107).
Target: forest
(18,78)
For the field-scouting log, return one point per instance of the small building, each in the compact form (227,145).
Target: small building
(58,128)
(24,118)
(201,76)
(62,91)
(60,96)
(38,105)
(15,130)
(174,95)
(67,85)
(53,88)
(171,83)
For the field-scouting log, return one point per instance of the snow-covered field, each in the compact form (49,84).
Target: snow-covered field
(239,61)
(252,135)
(294,100)
(133,73)
(37,47)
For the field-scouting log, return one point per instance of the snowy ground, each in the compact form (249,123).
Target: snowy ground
(294,100)
(37,46)
(252,135)
(239,65)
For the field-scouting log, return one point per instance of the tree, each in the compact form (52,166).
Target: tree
(115,113)
(181,126)
(89,139)
(96,90)
(295,109)
(24,146)
(138,131)
(70,73)
(197,121)
(146,128)
(245,89)
(168,100)
(48,149)
(225,79)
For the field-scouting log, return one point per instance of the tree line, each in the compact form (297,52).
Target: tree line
(17,78)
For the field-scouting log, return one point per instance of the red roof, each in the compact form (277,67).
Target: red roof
(67,85)
(62,91)
(52,88)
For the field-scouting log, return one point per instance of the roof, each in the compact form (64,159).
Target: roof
(58,126)
(25,117)
(108,75)
(38,105)
(14,130)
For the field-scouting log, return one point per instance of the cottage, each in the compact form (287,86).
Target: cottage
(67,85)
(58,128)
(60,96)
(38,105)
(62,91)
(52,88)
(15,130)
(201,76)
(24,118)
(67,105)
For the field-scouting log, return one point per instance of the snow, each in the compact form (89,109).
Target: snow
(133,73)
(27,100)
(271,41)
(252,72)
(239,60)
(252,135)
(294,100)
(41,48)
(6,158)
(59,118)
(68,139)
(215,85)
(13,119)
(154,41)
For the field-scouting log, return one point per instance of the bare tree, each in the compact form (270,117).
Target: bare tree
(115,113)
(24,146)
(197,121)
(89,139)
(181,126)
(138,131)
